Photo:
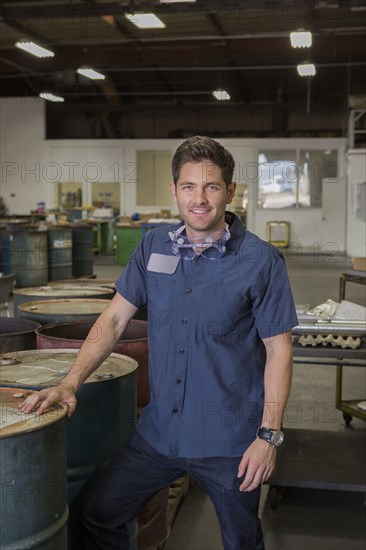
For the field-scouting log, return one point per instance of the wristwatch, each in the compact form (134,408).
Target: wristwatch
(274,437)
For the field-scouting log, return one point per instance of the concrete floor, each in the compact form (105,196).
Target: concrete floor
(305,519)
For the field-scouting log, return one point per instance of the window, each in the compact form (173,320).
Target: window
(277,179)
(293,178)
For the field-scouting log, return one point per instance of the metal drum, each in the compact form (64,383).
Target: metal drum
(17,334)
(109,283)
(58,311)
(33,475)
(5,252)
(104,418)
(133,342)
(25,253)
(59,253)
(59,292)
(82,250)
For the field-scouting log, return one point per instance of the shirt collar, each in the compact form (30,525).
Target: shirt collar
(237,232)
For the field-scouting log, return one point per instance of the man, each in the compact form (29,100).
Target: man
(220,312)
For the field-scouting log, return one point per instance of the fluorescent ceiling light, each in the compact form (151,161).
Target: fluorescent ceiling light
(301,39)
(34,49)
(51,97)
(176,1)
(145,20)
(306,69)
(221,95)
(90,73)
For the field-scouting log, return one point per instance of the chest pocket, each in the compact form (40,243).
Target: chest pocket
(160,297)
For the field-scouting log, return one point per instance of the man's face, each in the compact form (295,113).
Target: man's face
(201,195)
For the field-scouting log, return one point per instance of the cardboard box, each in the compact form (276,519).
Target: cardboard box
(359,264)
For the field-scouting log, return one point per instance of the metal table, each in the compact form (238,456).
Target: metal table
(321,459)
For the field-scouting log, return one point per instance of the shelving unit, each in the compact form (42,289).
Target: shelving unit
(348,407)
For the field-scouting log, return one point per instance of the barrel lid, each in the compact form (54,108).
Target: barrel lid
(13,422)
(61,290)
(74,306)
(45,368)
(84,281)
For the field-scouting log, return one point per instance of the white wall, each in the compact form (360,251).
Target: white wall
(356,229)
(23,145)
(22,153)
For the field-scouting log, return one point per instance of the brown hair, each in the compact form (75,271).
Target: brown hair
(200,148)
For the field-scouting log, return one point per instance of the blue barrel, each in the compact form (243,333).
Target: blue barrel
(59,253)
(105,416)
(33,476)
(25,253)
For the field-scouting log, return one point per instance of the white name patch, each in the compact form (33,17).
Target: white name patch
(162,263)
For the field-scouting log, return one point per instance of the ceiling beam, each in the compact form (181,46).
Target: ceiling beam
(27,32)
(245,53)
(92,9)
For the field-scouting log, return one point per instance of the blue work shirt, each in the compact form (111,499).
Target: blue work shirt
(206,321)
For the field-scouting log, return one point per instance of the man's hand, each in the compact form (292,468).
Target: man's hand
(63,393)
(257,464)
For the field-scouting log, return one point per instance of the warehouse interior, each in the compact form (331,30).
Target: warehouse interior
(87,133)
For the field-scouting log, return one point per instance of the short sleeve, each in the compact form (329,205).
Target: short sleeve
(132,283)
(273,306)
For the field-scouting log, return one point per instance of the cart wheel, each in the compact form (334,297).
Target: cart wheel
(347,418)
(274,496)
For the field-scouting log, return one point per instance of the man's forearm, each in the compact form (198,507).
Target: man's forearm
(99,344)
(277,379)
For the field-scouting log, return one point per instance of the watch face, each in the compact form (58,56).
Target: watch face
(277,438)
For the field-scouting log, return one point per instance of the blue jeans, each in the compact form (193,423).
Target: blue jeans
(139,471)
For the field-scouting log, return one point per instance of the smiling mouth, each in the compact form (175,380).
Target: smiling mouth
(199,211)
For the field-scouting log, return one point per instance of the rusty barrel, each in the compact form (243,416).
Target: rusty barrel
(59,311)
(59,253)
(105,415)
(59,292)
(133,342)
(33,475)
(17,334)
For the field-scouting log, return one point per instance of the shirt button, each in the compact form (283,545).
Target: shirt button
(189,290)
(179,380)
(184,321)
(182,350)
(174,411)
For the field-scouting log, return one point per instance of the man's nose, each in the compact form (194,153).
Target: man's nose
(201,196)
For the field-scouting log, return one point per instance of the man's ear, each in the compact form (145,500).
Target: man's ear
(230,192)
(173,190)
